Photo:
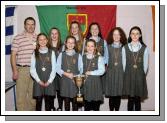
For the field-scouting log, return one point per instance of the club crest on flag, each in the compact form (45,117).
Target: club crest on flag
(81,18)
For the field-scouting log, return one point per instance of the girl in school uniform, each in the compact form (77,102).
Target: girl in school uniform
(43,70)
(55,43)
(94,32)
(135,64)
(93,68)
(76,31)
(114,75)
(69,64)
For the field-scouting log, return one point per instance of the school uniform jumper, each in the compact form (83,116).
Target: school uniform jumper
(114,78)
(39,91)
(135,85)
(93,87)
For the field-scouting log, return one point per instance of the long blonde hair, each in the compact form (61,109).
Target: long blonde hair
(80,34)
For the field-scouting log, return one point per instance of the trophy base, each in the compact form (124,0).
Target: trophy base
(79,99)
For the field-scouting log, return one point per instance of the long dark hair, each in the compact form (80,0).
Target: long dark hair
(37,46)
(68,37)
(80,34)
(89,33)
(59,38)
(123,38)
(140,39)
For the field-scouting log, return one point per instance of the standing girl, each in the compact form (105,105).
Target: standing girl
(114,75)
(93,68)
(135,64)
(94,32)
(69,64)
(76,31)
(55,43)
(43,70)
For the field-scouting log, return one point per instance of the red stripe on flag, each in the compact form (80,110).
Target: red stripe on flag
(105,15)
(79,18)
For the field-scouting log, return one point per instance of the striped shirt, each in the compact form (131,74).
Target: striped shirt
(24,46)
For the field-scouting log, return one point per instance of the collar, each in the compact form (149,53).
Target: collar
(116,44)
(97,39)
(70,53)
(136,44)
(43,50)
(89,56)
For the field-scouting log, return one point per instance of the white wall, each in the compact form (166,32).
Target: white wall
(127,16)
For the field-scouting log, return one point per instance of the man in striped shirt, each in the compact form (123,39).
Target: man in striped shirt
(23,46)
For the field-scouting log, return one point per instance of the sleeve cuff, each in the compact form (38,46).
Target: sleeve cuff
(61,72)
(49,81)
(38,80)
(91,73)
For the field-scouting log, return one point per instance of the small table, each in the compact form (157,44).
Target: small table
(8,86)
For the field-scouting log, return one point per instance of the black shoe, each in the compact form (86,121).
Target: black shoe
(53,109)
(59,109)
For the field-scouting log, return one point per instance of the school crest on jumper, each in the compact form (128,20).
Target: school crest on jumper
(81,18)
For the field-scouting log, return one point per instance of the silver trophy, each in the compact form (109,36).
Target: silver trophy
(79,81)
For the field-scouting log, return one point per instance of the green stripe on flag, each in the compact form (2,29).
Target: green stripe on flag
(54,16)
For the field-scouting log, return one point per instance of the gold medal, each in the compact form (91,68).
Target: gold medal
(116,55)
(47,59)
(74,61)
(116,63)
(135,57)
(135,66)
(100,48)
(139,59)
(43,68)
(43,62)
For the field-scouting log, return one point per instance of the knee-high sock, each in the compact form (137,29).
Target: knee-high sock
(38,103)
(130,103)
